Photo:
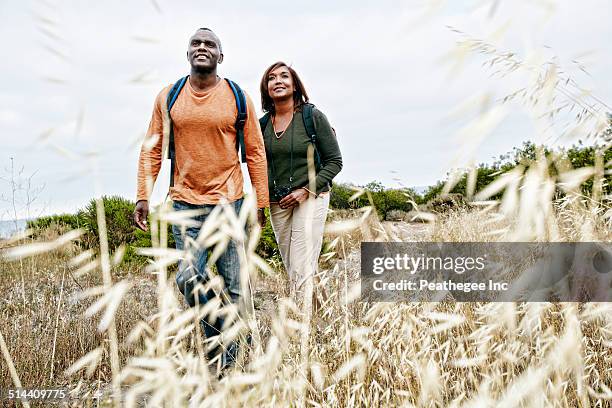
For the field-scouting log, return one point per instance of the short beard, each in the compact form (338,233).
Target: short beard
(203,70)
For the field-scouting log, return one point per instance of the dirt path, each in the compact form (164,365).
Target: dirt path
(269,290)
(408,231)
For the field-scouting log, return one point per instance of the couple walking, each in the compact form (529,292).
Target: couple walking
(212,124)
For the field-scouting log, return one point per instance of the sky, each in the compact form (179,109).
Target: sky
(79,79)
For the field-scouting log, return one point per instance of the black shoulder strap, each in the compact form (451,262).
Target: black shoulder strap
(263,121)
(172,95)
(309,122)
(307,109)
(241,118)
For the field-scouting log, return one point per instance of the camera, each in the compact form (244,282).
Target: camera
(281,191)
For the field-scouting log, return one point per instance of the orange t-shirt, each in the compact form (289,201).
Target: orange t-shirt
(207,166)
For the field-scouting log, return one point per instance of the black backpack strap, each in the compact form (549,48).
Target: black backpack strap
(263,122)
(172,95)
(309,122)
(307,109)
(240,119)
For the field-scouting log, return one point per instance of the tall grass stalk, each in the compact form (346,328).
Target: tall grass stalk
(11,366)
(108,282)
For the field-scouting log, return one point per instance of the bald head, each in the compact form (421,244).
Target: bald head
(204,51)
(214,35)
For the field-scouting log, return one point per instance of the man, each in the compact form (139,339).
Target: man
(206,170)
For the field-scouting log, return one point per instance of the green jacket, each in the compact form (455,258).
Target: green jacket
(278,150)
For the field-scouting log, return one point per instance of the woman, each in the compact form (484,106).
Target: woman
(301,167)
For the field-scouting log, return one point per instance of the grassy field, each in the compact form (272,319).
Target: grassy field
(349,354)
(119,335)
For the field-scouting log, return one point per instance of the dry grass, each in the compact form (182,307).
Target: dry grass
(79,320)
(358,354)
(43,321)
(138,340)
(573,224)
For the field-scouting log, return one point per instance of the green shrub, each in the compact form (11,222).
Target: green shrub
(120,228)
(339,197)
(72,221)
(267,247)
(142,239)
(584,156)
(578,156)
(446,203)
(384,200)
(433,192)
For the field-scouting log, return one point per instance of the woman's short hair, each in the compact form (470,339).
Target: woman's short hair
(300,96)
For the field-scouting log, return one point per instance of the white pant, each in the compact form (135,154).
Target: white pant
(299,234)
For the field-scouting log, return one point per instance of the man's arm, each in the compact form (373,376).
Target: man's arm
(149,162)
(256,156)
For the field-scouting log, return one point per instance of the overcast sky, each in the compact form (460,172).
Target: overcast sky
(79,79)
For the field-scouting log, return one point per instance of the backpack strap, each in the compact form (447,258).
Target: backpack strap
(174,92)
(172,95)
(240,119)
(263,121)
(307,109)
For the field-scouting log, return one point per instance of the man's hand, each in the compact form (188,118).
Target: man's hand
(141,213)
(294,198)
(261,217)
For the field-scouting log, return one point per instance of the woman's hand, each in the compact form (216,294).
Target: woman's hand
(293,199)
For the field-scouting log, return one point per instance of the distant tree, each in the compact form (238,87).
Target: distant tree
(383,199)
(578,156)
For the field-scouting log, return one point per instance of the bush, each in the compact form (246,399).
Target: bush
(120,228)
(383,200)
(432,192)
(71,221)
(446,203)
(578,156)
(584,156)
(339,198)
(386,201)
(142,239)
(267,247)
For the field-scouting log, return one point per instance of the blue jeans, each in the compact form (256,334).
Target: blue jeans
(192,271)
